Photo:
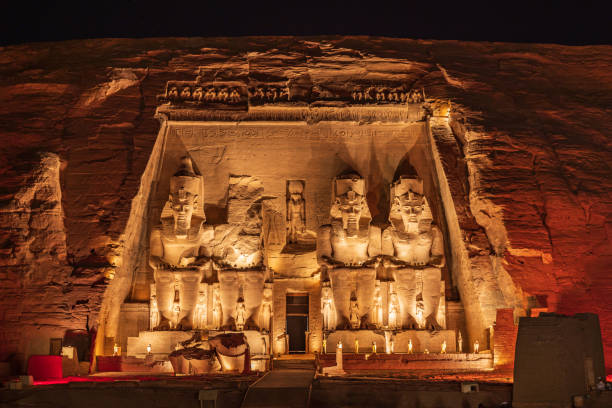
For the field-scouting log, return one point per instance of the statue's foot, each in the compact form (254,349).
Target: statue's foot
(163,326)
(184,324)
(411,324)
(432,324)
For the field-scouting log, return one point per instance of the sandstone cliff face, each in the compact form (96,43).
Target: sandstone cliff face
(527,160)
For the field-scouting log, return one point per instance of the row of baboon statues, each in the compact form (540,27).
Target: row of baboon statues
(233,95)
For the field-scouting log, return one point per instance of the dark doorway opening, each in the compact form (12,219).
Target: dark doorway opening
(297,322)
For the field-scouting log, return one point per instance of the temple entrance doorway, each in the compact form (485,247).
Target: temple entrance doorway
(297,321)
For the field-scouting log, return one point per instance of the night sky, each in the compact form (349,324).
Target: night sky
(537,21)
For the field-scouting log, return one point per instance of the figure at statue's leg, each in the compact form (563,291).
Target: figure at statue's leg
(341,289)
(431,297)
(405,284)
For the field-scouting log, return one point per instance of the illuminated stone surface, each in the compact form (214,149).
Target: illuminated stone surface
(525,157)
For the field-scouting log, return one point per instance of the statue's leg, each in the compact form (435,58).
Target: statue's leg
(228,290)
(253,296)
(431,297)
(164,288)
(341,289)
(188,293)
(405,284)
(366,285)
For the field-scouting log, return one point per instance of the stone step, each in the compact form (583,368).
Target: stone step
(280,388)
(293,364)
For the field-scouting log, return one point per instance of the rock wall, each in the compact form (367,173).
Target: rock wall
(527,161)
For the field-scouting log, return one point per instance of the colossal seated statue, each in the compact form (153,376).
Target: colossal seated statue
(346,249)
(415,253)
(180,250)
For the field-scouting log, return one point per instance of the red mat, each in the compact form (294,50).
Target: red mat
(44,368)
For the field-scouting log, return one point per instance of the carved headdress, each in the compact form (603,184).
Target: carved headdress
(353,186)
(408,189)
(295,186)
(184,182)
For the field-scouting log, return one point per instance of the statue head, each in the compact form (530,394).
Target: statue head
(184,199)
(202,295)
(350,203)
(326,292)
(410,206)
(295,188)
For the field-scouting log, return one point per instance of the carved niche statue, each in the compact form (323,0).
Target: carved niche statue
(180,250)
(347,248)
(415,253)
(296,213)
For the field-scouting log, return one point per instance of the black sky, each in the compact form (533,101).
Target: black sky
(536,21)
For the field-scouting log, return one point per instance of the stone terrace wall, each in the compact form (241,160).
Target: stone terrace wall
(531,172)
(504,339)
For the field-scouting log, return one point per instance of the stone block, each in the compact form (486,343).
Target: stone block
(162,343)
(557,357)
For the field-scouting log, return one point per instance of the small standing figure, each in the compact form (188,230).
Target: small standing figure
(153,310)
(377,312)
(476,347)
(355,319)
(240,314)
(176,312)
(327,306)
(266,308)
(199,314)
(393,311)
(296,212)
(443,350)
(460,342)
(216,309)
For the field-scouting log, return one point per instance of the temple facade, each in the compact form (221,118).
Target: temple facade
(302,222)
